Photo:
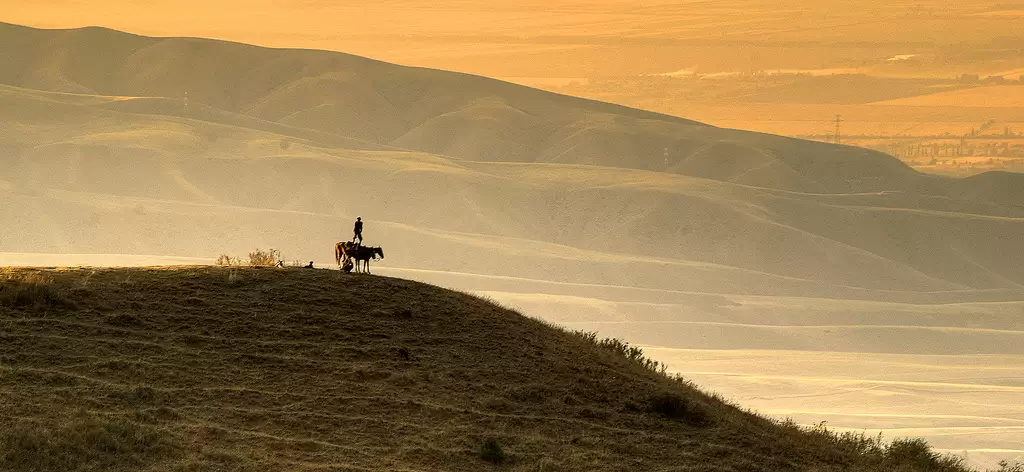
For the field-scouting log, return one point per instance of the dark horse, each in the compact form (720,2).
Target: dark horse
(347,250)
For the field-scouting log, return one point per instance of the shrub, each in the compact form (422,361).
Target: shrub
(910,451)
(226,260)
(492,452)
(677,407)
(260,258)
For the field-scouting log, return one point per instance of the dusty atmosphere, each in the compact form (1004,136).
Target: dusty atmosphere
(869,279)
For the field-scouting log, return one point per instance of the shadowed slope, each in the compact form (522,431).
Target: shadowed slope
(245,369)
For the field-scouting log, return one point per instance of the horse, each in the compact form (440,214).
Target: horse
(346,250)
(339,251)
(364,254)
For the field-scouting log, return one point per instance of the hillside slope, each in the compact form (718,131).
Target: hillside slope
(87,177)
(200,368)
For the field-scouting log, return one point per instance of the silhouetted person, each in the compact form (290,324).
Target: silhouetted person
(310,265)
(358,230)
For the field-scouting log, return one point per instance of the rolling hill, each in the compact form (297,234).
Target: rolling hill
(425,110)
(108,157)
(199,368)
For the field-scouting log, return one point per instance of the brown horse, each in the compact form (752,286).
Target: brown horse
(339,251)
(347,250)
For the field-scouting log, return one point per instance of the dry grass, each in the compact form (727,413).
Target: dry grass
(32,290)
(84,443)
(208,368)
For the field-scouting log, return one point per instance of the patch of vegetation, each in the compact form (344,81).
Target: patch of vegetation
(621,348)
(83,444)
(491,451)
(677,407)
(32,291)
(261,258)
(257,258)
(226,260)
(872,453)
(916,454)
(1005,466)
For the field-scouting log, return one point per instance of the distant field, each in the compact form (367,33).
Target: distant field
(989,118)
(998,96)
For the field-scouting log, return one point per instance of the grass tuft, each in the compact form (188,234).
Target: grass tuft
(491,451)
(623,349)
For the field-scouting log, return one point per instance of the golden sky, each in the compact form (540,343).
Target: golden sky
(557,39)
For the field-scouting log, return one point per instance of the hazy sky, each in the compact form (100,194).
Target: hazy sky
(552,39)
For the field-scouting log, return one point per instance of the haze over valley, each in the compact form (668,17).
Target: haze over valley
(799,278)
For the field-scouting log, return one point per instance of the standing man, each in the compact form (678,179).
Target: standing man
(358,230)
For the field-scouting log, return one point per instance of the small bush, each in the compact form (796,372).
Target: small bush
(678,407)
(261,258)
(226,260)
(910,451)
(492,452)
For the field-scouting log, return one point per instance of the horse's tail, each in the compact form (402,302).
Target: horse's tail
(337,254)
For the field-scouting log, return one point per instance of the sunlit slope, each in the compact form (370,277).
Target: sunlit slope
(425,110)
(90,179)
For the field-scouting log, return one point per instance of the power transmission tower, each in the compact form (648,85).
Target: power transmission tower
(838,121)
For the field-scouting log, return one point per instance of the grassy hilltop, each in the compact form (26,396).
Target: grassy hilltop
(204,368)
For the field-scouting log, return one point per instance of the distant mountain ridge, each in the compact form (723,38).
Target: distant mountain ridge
(447,113)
